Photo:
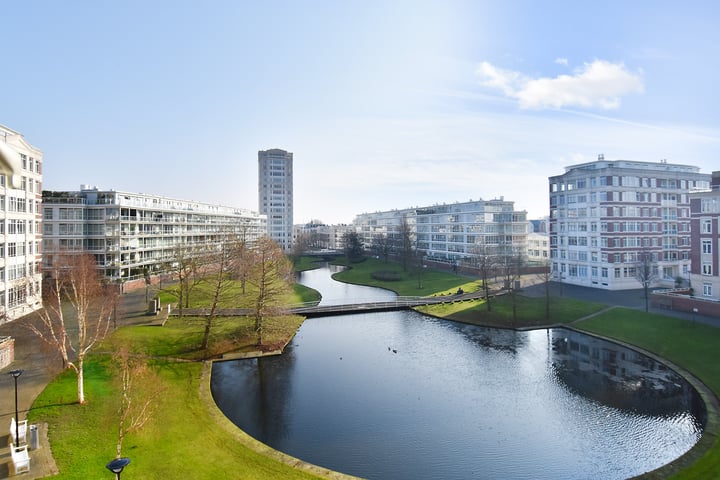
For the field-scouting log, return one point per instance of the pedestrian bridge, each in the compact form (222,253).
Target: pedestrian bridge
(311,309)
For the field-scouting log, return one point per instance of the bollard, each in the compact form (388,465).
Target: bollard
(34,437)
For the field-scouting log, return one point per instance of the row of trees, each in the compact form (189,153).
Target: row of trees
(79,305)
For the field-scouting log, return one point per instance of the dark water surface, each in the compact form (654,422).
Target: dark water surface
(399,395)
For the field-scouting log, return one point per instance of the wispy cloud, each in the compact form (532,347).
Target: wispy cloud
(562,61)
(599,84)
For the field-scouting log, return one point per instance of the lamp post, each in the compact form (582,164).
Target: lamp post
(117,465)
(15,374)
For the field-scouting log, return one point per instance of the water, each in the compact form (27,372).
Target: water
(400,395)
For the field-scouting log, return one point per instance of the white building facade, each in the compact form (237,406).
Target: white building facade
(275,194)
(133,233)
(605,214)
(20,220)
(454,233)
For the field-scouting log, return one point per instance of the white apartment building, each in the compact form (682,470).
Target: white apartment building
(604,214)
(131,233)
(275,194)
(454,233)
(20,235)
(324,237)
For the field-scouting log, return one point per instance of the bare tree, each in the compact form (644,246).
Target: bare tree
(646,272)
(75,280)
(511,264)
(404,243)
(222,271)
(139,389)
(382,246)
(271,275)
(485,262)
(545,276)
(186,267)
(301,245)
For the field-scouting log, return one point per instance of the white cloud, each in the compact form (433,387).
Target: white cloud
(561,61)
(599,84)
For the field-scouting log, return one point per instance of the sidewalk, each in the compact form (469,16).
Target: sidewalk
(40,365)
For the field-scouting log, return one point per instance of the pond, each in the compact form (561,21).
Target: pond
(400,395)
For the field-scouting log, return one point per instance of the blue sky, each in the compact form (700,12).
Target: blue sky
(385,104)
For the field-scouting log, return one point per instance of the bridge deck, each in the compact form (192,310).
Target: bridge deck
(401,303)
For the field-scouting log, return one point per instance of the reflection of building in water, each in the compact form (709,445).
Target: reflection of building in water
(620,377)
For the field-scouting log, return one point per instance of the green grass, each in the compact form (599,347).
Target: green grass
(181,441)
(234,298)
(692,346)
(182,337)
(307,263)
(530,311)
(428,282)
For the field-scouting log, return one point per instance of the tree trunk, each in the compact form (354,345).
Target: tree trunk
(81,381)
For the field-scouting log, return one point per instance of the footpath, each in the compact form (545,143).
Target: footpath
(39,365)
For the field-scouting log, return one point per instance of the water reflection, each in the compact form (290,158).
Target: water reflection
(621,377)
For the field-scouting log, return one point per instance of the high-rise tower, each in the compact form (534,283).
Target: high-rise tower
(275,194)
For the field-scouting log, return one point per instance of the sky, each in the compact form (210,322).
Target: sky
(384,104)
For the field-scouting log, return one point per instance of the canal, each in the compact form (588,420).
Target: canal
(399,395)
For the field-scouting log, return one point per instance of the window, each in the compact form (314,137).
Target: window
(707,246)
(707,269)
(706,225)
(707,289)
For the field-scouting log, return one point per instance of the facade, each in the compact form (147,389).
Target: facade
(275,194)
(705,228)
(20,233)
(455,233)
(324,237)
(538,247)
(133,233)
(607,214)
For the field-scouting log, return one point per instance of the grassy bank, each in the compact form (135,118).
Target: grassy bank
(413,282)
(530,311)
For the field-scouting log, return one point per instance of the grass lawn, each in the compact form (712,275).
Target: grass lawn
(692,346)
(181,441)
(427,282)
(530,311)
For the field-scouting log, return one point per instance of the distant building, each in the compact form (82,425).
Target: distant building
(324,237)
(604,214)
(705,228)
(133,233)
(454,233)
(275,194)
(20,232)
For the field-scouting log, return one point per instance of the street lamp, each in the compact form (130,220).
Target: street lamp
(117,465)
(15,374)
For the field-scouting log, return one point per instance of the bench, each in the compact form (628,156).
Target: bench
(20,462)
(19,429)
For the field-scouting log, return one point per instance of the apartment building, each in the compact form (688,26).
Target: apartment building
(705,229)
(20,235)
(324,237)
(133,233)
(456,233)
(607,214)
(275,194)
